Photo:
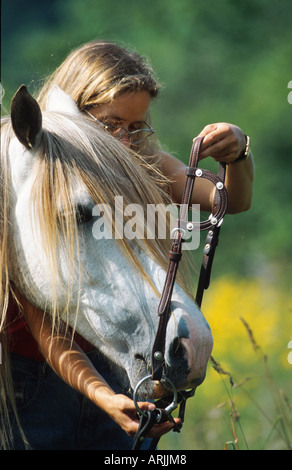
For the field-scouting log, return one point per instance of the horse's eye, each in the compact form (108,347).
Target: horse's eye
(83,213)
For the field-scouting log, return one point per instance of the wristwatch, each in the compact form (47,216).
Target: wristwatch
(245,153)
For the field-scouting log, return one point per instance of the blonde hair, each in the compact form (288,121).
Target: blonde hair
(7,399)
(100,71)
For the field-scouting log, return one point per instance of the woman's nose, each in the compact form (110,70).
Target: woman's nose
(126,140)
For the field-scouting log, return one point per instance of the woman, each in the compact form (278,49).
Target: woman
(114,87)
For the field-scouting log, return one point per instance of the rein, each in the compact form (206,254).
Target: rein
(164,407)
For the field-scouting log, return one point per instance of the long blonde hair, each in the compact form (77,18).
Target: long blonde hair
(100,71)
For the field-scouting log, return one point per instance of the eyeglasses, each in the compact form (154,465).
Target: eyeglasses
(135,137)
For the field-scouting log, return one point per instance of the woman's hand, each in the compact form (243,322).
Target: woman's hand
(73,366)
(123,411)
(222,141)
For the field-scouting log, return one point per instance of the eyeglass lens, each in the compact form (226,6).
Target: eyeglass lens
(135,137)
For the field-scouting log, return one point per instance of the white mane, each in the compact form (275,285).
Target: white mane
(108,290)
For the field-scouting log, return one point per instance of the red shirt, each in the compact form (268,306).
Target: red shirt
(21,340)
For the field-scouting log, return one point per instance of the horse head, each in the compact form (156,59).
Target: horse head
(61,170)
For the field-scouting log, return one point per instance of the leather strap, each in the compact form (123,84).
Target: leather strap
(147,421)
(207,262)
(216,217)
(213,225)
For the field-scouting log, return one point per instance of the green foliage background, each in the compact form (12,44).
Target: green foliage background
(220,60)
(223,60)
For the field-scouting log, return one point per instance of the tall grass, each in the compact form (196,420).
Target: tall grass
(245,401)
(278,420)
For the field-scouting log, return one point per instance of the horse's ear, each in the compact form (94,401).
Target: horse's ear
(59,101)
(26,117)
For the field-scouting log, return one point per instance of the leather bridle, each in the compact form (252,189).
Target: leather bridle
(164,407)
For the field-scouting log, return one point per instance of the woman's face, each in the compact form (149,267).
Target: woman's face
(127,110)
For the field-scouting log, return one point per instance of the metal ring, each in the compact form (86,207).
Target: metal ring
(169,409)
(180,229)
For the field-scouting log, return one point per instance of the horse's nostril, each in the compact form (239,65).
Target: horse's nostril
(138,357)
(141,360)
(176,349)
